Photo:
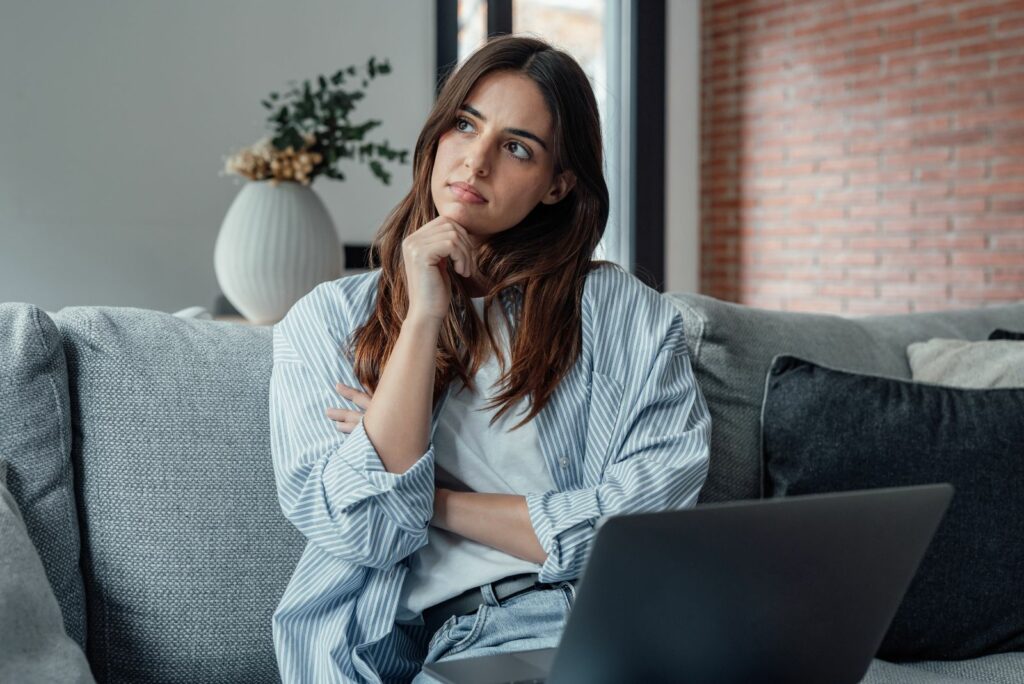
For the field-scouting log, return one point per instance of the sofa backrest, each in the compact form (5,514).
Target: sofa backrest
(732,347)
(185,551)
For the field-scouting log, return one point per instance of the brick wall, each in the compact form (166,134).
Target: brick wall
(863,157)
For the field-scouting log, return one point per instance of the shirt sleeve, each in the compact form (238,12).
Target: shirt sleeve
(333,487)
(658,461)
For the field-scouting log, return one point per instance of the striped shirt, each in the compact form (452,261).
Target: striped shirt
(626,430)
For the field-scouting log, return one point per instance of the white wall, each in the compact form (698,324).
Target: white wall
(682,142)
(116,116)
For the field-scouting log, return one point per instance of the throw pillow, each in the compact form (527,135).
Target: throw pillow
(35,444)
(35,646)
(1001,334)
(826,430)
(960,363)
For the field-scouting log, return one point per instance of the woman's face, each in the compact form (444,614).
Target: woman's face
(501,146)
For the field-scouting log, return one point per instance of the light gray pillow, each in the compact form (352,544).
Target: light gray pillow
(33,644)
(971,365)
(185,551)
(35,445)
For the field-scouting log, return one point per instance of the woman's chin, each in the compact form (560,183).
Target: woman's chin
(463,214)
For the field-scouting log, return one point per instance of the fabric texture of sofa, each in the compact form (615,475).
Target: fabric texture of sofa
(136,446)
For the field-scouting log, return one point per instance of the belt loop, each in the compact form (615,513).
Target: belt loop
(490,598)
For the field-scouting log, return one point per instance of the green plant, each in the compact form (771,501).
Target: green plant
(313,133)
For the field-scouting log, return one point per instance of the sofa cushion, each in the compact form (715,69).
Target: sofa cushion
(35,444)
(1001,668)
(827,430)
(732,347)
(959,363)
(35,647)
(185,550)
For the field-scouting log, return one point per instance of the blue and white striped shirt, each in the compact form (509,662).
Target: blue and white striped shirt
(626,430)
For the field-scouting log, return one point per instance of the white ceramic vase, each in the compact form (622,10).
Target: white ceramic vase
(275,245)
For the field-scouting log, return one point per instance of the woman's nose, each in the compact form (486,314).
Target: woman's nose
(477,160)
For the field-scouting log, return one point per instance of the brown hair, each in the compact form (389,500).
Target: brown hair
(548,254)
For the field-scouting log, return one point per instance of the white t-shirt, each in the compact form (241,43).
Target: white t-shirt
(484,458)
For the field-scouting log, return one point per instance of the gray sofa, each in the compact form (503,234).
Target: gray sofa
(136,447)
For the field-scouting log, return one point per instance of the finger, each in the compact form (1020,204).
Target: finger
(343,414)
(458,229)
(451,245)
(358,397)
(341,426)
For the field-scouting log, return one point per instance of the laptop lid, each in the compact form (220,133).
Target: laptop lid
(797,589)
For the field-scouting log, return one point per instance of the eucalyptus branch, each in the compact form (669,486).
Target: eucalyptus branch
(313,132)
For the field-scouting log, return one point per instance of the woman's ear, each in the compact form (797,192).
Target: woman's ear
(560,187)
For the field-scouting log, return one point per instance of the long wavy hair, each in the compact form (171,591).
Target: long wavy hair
(546,256)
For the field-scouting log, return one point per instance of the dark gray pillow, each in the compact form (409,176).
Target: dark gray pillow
(826,430)
(1001,334)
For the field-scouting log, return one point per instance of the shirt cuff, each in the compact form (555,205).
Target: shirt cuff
(355,474)
(563,523)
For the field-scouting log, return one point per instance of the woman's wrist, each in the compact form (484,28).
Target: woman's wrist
(440,507)
(422,322)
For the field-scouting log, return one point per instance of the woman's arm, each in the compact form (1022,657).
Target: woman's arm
(500,521)
(397,421)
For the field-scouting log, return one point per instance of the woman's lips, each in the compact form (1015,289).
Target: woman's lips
(465,195)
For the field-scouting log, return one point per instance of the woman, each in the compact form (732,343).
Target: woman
(500,391)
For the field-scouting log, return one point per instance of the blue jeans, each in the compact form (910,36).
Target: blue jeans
(534,619)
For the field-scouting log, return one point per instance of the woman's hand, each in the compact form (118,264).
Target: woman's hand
(344,419)
(426,253)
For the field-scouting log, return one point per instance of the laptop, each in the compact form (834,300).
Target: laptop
(795,589)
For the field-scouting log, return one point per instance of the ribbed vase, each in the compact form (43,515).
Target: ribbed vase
(274,246)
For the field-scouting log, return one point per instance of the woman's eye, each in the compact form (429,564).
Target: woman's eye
(459,121)
(524,156)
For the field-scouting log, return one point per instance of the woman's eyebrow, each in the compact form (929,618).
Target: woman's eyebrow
(513,131)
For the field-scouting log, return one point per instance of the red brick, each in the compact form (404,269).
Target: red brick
(879,275)
(949,275)
(881,210)
(913,290)
(848,228)
(918,23)
(1009,242)
(885,243)
(915,225)
(849,290)
(956,242)
(990,188)
(989,223)
(1008,169)
(988,293)
(869,307)
(813,305)
(954,35)
(955,206)
(1008,276)
(978,10)
(988,259)
(1011,43)
(849,163)
(848,258)
(915,259)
